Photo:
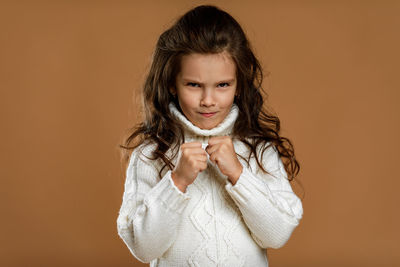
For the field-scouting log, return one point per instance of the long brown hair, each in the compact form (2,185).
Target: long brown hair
(207,29)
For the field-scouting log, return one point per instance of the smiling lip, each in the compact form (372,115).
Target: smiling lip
(208,114)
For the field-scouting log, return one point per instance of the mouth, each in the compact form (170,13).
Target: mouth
(207,115)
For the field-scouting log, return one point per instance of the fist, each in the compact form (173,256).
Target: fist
(222,153)
(192,159)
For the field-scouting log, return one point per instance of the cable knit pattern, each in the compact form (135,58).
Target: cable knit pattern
(214,223)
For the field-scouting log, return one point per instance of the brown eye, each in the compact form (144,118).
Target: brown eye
(225,84)
(192,84)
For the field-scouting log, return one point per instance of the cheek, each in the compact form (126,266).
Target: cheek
(226,99)
(187,101)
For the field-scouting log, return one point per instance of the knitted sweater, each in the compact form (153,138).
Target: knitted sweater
(213,223)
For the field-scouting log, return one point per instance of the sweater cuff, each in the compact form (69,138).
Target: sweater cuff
(167,194)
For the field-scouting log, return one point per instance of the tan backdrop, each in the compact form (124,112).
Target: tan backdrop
(69,75)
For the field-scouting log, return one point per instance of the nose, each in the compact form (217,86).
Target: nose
(207,99)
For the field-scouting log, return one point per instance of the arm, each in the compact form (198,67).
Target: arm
(268,205)
(150,212)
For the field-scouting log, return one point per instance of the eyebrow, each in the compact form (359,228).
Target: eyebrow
(229,80)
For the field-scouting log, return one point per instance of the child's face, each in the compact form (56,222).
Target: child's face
(206,87)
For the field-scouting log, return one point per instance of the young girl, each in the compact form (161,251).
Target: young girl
(205,183)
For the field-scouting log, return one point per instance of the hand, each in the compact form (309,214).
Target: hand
(192,159)
(222,153)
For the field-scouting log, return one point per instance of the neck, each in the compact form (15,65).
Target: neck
(193,133)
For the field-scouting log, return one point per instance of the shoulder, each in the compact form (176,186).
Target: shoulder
(141,156)
(271,160)
(267,154)
(267,149)
(144,150)
(263,149)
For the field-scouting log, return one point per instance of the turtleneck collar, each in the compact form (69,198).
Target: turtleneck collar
(194,133)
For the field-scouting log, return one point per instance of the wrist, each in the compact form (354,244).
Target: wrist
(234,177)
(177,181)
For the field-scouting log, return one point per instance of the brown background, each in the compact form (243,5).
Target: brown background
(69,71)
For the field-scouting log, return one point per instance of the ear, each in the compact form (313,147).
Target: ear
(172,90)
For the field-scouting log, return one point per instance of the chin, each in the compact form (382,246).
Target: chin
(208,127)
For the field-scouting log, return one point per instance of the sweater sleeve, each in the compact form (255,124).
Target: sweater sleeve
(151,210)
(270,209)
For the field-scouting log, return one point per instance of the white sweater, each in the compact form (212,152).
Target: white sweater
(214,223)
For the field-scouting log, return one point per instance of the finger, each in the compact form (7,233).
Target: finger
(191,144)
(212,148)
(214,158)
(203,166)
(202,159)
(196,150)
(217,139)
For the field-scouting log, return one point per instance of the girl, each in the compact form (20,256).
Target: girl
(205,183)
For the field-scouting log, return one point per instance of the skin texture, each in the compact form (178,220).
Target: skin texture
(206,84)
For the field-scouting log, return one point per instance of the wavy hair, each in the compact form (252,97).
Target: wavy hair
(207,29)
